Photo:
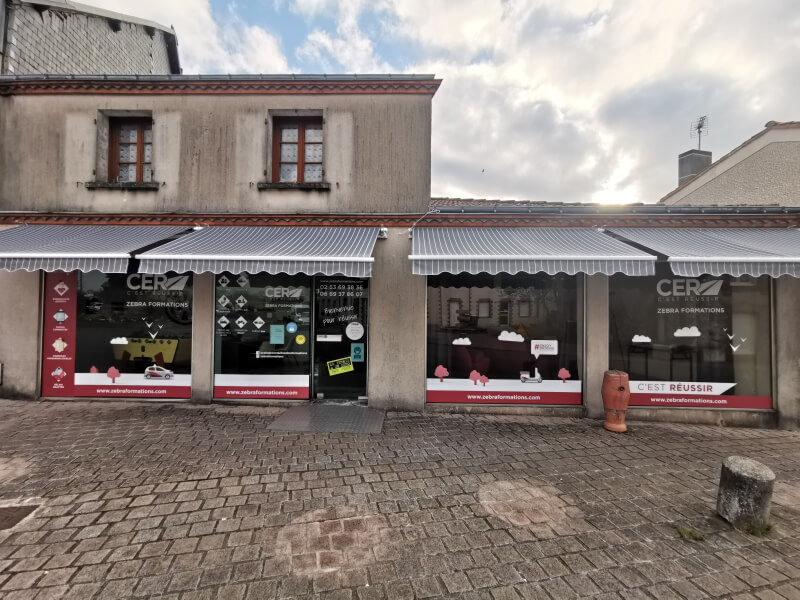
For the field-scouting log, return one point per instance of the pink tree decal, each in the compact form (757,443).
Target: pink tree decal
(93,370)
(484,380)
(475,377)
(563,375)
(441,372)
(113,373)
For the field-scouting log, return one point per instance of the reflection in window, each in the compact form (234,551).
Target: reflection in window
(498,346)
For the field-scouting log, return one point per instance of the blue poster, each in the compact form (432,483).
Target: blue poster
(276,334)
(357,352)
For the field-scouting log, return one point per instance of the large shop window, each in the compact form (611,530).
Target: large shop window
(117,335)
(262,336)
(504,339)
(692,342)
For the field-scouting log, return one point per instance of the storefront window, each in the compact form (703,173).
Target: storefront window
(262,336)
(503,339)
(117,335)
(692,342)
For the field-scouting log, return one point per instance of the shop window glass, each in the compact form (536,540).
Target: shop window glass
(487,357)
(116,335)
(262,336)
(699,342)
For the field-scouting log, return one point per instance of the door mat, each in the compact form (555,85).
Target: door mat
(11,515)
(330,418)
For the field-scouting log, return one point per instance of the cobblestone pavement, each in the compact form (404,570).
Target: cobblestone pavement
(180,502)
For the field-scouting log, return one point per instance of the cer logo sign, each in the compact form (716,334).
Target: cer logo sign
(147,282)
(688,287)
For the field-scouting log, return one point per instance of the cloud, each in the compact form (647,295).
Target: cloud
(119,340)
(545,100)
(640,339)
(692,331)
(465,341)
(510,336)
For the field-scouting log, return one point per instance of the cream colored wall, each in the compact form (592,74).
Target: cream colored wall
(211,151)
(765,175)
(396,378)
(20,311)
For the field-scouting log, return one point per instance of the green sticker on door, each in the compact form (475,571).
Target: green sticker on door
(340,365)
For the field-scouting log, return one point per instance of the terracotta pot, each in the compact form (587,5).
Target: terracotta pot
(616,394)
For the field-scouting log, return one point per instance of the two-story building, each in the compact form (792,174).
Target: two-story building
(287,275)
(272,239)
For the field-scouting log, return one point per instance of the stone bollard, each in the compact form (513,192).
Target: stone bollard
(745,493)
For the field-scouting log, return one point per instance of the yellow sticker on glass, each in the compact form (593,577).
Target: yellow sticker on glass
(340,365)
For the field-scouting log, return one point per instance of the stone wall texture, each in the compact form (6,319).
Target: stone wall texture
(65,42)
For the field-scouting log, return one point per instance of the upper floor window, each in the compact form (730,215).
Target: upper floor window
(297,150)
(130,150)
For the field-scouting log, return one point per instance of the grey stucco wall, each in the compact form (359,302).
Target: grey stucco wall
(787,351)
(210,152)
(396,378)
(596,351)
(203,337)
(54,41)
(769,176)
(20,337)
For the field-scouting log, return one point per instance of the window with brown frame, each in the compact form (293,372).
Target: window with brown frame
(297,150)
(130,150)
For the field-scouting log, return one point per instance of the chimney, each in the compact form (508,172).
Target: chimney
(691,163)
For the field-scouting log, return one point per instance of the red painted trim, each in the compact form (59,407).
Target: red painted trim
(695,401)
(498,397)
(233,87)
(251,391)
(133,391)
(359,220)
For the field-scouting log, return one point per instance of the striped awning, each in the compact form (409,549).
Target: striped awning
(524,250)
(105,248)
(311,250)
(724,251)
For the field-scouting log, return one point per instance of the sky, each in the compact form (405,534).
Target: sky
(549,100)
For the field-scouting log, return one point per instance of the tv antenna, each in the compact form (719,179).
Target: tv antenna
(698,129)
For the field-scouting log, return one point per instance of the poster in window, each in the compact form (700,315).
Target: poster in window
(696,342)
(117,335)
(262,327)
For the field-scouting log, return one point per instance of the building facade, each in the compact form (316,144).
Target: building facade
(272,240)
(64,37)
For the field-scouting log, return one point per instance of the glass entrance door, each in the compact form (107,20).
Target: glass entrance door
(340,337)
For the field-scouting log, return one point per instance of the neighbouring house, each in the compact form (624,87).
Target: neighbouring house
(65,37)
(762,171)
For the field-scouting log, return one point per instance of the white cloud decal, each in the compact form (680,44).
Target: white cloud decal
(119,340)
(687,332)
(510,336)
(641,339)
(462,342)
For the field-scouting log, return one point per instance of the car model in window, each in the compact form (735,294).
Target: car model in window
(156,371)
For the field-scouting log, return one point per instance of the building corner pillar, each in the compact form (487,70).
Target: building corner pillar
(595,307)
(203,338)
(787,352)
